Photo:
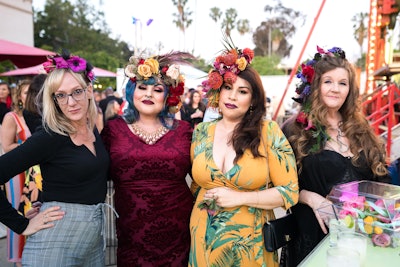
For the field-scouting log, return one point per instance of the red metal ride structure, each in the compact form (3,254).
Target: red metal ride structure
(382,95)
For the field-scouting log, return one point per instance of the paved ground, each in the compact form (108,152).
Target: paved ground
(3,254)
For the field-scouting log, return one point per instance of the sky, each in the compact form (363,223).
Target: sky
(203,37)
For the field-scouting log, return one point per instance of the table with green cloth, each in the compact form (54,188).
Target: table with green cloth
(375,257)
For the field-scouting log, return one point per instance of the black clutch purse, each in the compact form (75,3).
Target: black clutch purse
(277,233)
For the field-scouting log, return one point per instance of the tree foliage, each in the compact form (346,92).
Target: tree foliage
(80,28)
(272,36)
(215,14)
(243,26)
(360,31)
(228,23)
(182,18)
(267,65)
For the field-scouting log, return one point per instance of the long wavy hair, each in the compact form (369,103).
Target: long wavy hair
(247,134)
(361,137)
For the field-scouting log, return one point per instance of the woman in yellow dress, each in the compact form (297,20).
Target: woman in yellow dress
(233,157)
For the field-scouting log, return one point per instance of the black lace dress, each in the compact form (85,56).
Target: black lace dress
(320,173)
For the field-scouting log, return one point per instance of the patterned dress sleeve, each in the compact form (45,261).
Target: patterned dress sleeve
(282,164)
(194,187)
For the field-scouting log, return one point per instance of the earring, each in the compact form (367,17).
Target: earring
(251,109)
(20,104)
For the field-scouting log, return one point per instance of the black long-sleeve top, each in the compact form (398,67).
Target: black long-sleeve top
(70,173)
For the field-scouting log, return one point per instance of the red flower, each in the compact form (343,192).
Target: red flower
(164,69)
(248,53)
(229,59)
(308,72)
(172,101)
(215,80)
(302,118)
(176,91)
(229,77)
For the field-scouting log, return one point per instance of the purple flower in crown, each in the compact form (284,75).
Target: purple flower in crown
(77,64)
(307,91)
(61,63)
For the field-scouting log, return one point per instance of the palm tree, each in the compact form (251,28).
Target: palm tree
(243,26)
(182,20)
(360,29)
(215,14)
(229,21)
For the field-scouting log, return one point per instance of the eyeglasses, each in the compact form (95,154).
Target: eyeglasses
(62,98)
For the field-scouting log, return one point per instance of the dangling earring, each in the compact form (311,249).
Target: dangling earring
(251,109)
(20,104)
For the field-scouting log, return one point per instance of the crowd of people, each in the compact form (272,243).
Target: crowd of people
(195,172)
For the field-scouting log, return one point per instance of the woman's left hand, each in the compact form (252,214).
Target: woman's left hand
(224,197)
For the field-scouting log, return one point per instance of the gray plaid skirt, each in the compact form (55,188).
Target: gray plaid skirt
(76,240)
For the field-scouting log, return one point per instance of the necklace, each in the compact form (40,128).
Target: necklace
(342,146)
(149,138)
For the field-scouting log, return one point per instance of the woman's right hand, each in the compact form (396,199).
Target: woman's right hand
(314,201)
(43,220)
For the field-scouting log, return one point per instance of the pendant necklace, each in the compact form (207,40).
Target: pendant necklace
(342,146)
(149,138)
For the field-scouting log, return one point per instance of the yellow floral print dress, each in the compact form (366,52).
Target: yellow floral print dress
(222,237)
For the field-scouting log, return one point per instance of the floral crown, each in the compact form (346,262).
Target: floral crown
(164,67)
(306,72)
(68,61)
(303,89)
(226,67)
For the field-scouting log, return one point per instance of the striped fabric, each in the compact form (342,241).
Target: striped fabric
(15,242)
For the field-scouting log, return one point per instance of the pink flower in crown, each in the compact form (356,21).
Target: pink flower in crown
(90,75)
(320,50)
(60,63)
(48,66)
(76,64)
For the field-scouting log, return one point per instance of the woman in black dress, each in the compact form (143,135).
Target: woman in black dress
(332,140)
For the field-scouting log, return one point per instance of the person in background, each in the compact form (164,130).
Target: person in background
(394,171)
(112,110)
(33,107)
(100,116)
(5,106)
(332,141)
(232,158)
(193,112)
(109,91)
(13,133)
(68,228)
(5,99)
(269,113)
(150,158)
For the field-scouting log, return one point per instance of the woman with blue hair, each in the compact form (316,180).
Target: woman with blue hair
(150,158)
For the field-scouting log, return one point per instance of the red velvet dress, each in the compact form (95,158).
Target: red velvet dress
(151,195)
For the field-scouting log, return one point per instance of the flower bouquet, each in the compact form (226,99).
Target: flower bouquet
(370,208)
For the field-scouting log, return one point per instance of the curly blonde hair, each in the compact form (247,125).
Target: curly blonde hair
(361,137)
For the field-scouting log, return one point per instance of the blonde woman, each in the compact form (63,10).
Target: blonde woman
(69,227)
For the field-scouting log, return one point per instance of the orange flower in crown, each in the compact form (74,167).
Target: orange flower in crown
(226,67)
